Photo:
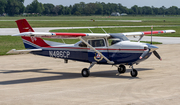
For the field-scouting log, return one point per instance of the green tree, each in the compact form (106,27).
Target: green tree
(173,10)
(3,4)
(79,8)
(48,8)
(99,10)
(68,11)
(90,9)
(147,10)
(15,7)
(35,7)
(135,9)
(56,9)
(61,10)
(155,10)
(162,10)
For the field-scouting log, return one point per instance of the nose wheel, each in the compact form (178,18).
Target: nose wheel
(134,73)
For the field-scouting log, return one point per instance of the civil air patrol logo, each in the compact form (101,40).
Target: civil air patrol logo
(98,57)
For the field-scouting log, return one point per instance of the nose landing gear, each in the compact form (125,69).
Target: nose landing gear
(134,72)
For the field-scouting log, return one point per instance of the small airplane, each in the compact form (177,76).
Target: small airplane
(93,48)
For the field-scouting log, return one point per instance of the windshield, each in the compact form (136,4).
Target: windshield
(119,36)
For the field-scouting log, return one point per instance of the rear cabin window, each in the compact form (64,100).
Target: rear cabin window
(97,43)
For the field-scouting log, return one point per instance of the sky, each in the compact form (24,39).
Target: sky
(127,3)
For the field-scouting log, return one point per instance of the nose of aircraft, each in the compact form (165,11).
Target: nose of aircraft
(150,48)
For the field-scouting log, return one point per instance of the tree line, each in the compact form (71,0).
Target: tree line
(16,7)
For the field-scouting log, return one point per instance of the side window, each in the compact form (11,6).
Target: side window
(97,43)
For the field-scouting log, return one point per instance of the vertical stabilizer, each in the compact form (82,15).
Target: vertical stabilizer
(29,42)
(24,26)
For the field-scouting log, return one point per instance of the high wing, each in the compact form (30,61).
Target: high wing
(147,33)
(61,35)
(88,35)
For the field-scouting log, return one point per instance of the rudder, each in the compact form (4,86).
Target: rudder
(29,42)
(24,26)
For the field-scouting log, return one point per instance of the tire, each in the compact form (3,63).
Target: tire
(121,69)
(85,72)
(134,73)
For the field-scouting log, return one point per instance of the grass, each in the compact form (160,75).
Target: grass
(75,21)
(8,42)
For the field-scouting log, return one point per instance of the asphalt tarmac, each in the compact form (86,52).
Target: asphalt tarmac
(36,80)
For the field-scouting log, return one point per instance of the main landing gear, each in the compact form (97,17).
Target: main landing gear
(86,71)
(122,69)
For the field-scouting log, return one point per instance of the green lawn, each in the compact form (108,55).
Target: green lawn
(76,21)
(9,42)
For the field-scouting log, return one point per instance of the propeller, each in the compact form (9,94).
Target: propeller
(154,52)
(151,48)
(144,54)
(157,55)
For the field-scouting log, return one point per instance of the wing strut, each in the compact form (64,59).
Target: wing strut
(141,36)
(108,61)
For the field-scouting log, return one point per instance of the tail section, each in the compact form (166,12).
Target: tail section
(29,42)
(24,26)
(33,42)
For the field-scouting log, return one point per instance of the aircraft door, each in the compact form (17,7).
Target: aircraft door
(101,46)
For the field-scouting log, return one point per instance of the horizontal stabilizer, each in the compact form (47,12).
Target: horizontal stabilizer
(14,51)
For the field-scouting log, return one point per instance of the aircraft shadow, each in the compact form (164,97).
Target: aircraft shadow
(63,75)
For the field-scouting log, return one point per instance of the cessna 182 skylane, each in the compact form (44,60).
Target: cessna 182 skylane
(92,48)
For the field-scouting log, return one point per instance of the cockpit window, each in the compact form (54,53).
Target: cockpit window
(124,38)
(97,43)
(82,44)
(119,36)
(115,41)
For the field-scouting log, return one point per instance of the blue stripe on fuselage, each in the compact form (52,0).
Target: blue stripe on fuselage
(27,46)
(118,58)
